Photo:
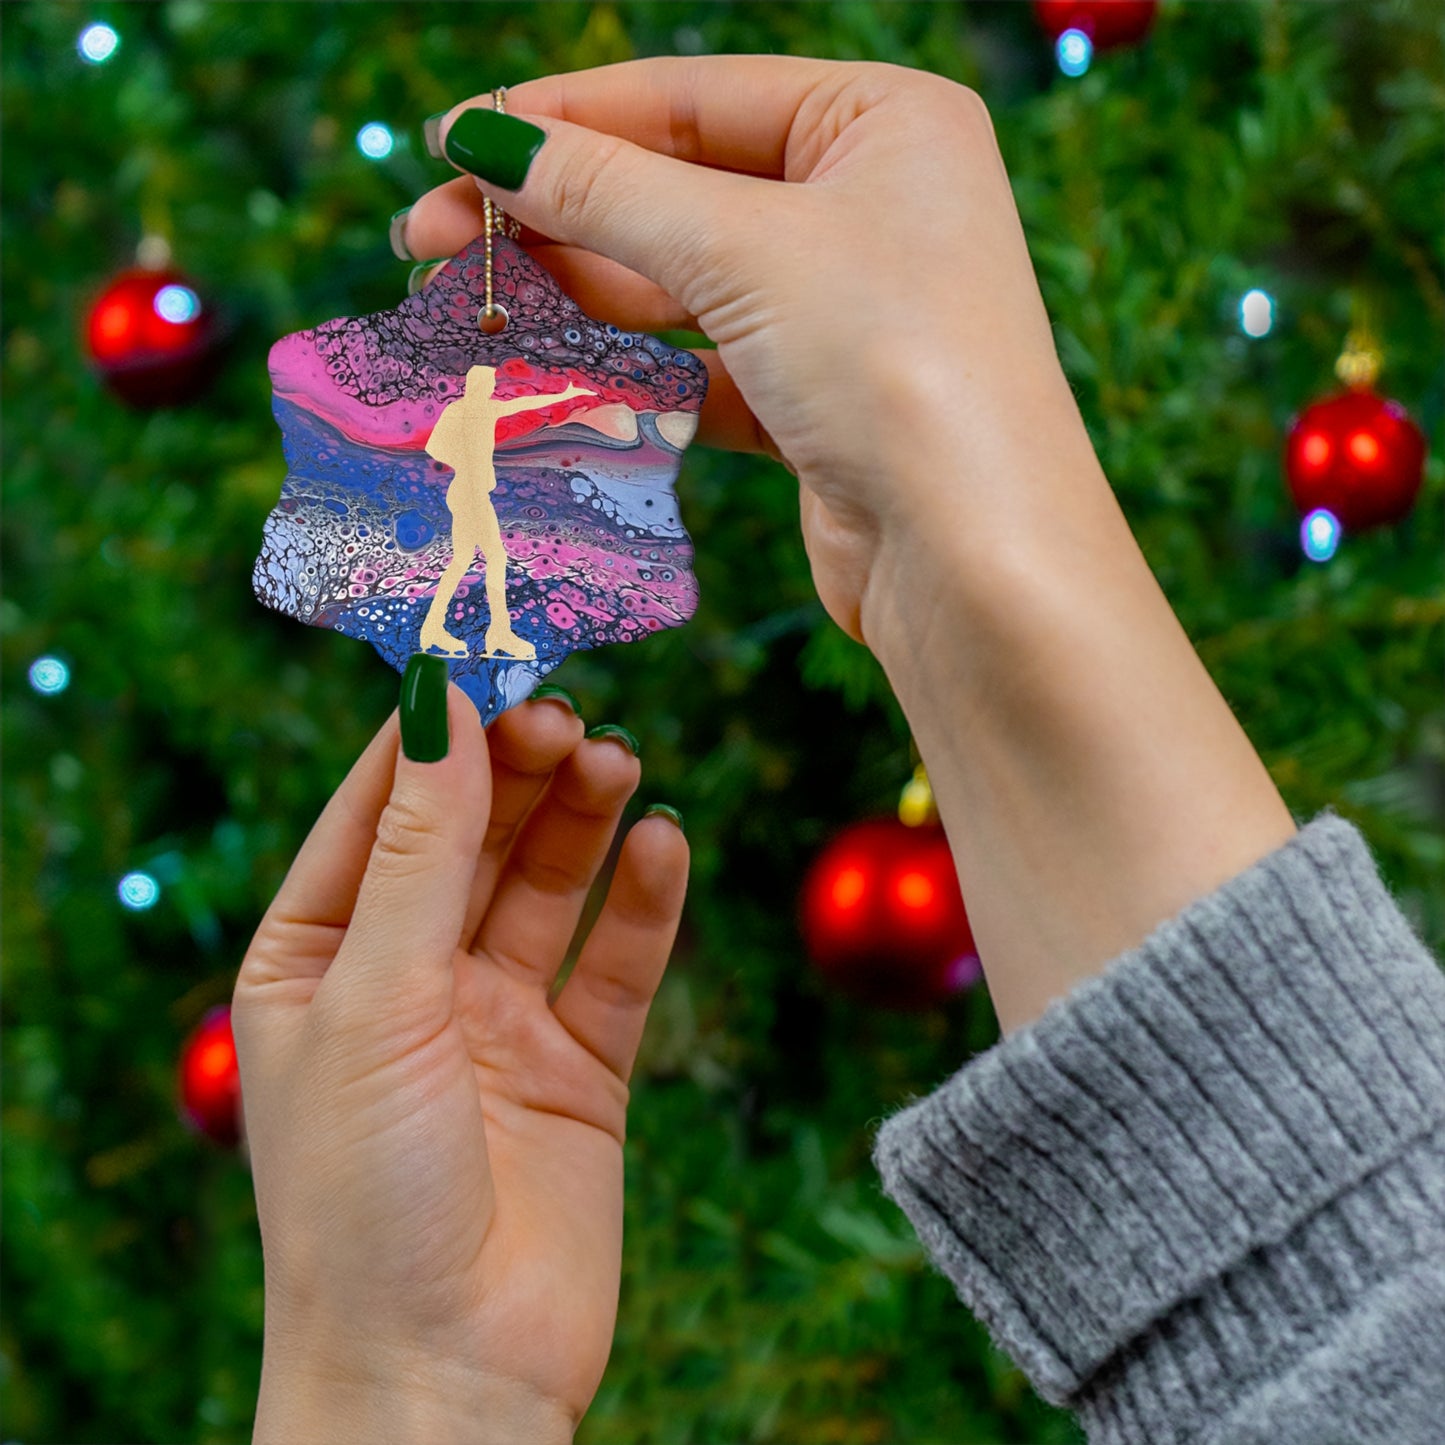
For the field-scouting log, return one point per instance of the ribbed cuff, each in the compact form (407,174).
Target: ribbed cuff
(1180,1159)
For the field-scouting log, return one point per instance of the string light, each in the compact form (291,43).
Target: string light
(177,304)
(1319,535)
(966,969)
(97,44)
(375,141)
(49,675)
(138,891)
(1256,313)
(1074,52)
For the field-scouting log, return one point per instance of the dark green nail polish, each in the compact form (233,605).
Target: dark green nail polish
(615,730)
(498,148)
(665,811)
(422,273)
(431,134)
(424,737)
(550,689)
(396,234)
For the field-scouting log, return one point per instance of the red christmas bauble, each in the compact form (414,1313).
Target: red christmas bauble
(1358,455)
(1107,23)
(883,917)
(210,1081)
(152,338)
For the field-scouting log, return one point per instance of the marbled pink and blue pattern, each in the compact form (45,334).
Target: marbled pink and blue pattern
(596,550)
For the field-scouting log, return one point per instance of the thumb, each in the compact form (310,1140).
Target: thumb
(412,901)
(666,219)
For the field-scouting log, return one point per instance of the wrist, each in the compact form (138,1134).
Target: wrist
(1092,780)
(400,1398)
(983,519)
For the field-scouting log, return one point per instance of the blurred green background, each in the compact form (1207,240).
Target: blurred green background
(770,1292)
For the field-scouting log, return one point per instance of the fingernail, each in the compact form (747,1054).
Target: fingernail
(498,148)
(614,730)
(423,273)
(424,736)
(664,811)
(431,133)
(396,233)
(550,689)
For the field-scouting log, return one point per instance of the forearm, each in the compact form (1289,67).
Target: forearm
(1091,778)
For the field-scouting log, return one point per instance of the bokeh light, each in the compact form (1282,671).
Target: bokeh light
(177,304)
(1319,535)
(1315,450)
(966,969)
(914,889)
(1074,51)
(49,675)
(1364,448)
(97,43)
(1256,313)
(138,891)
(375,141)
(849,887)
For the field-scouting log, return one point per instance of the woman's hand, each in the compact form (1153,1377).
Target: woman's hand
(437,1149)
(878,324)
(847,235)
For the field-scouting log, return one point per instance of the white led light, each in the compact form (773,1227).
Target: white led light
(1256,313)
(49,675)
(177,304)
(375,141)
(1074,52)
(1319,535)
(138,891)
(97,43)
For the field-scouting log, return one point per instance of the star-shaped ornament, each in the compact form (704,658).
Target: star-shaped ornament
(499,499)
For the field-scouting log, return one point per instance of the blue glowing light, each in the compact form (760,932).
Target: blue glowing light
(138,891)
(177,304)
(1074,52)
(375,141)
(97,43)
(49,675)
(1256,313)
(1319,535)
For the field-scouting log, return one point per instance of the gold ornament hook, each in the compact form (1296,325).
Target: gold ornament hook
(915,804)
(1359,363)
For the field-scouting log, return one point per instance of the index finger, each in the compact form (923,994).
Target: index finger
(313,906)
(734,112)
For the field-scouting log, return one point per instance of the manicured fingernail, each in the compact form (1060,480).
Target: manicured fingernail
(550,689)
(664,811)
(498,148)
(396,233)
(424,737)
(614,730)
(431,133)
(423,273)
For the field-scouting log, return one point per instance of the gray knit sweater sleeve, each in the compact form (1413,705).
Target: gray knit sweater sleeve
(1202,1198)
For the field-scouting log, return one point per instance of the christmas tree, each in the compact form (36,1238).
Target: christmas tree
(1212,211)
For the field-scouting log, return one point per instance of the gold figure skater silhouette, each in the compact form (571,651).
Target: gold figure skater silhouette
(463,439)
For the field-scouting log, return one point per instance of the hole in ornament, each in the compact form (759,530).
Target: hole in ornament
(492,319)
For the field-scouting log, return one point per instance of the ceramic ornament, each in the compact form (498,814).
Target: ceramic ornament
(498,499)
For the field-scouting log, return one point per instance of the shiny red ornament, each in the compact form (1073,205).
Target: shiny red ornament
(883,917)
(1358,455)
(1107,23)
(210,1081)
(152,338)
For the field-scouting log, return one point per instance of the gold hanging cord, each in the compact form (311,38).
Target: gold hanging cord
(492,317)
